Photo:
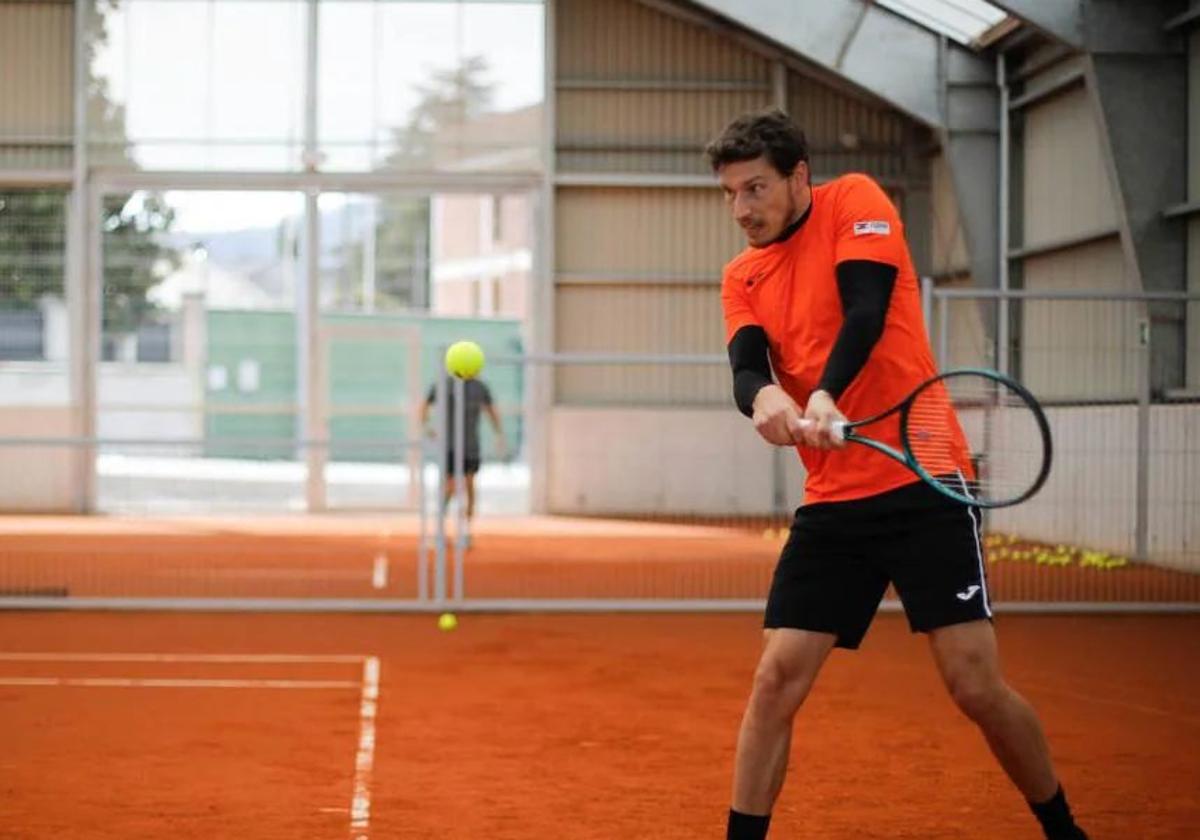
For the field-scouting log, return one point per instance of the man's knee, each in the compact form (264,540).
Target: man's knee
(779,689)
(976,688)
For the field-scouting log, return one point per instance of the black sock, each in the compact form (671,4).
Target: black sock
(1055,816)
(747,826)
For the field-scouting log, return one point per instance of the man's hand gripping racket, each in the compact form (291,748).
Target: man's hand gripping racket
(975,435)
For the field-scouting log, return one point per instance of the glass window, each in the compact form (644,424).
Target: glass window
(430,85)
(33,320)
(199,85)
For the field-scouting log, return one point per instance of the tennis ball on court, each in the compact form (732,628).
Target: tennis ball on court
(464,359)
(447,621)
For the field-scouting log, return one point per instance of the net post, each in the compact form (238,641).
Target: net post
(443,450)
(460,489)
(422,519)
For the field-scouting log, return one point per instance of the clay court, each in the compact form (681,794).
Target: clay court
(565,726)
(608,725)
(276,563)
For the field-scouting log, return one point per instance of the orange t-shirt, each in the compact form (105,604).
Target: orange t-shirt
(790,289)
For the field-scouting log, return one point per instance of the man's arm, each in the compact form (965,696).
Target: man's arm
(750,360)
(423,413)
(775,415)
(865,288)
(494,416)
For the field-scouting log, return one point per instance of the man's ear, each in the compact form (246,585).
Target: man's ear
(801,174)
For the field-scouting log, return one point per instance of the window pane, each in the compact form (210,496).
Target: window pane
(33,321)
(430,85)
(199,85)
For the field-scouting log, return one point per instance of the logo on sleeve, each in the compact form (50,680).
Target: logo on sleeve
(876,227)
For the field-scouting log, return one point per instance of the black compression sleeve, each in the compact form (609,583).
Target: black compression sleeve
(750,360)
(865,288)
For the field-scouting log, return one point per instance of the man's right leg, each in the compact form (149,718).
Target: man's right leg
(786,671)
(824,592)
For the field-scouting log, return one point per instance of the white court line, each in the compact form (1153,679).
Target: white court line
(364,760)
(379,572)
(121,682)
(265,574)
(179,657)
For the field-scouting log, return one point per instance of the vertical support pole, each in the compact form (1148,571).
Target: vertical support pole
(418,478)
(927,304)
(83,279)
(1002,315)
(1142,523)
(943,344)
(310,357)
(442,416)
(779,91)
(539,396)
(370,245)
(460,483)
(311,418)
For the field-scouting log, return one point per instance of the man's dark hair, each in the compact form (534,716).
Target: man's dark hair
(771,133)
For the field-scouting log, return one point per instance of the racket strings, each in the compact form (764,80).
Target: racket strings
(977,437)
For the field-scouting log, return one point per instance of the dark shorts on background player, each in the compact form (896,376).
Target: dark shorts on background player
(470,464)
(840,557)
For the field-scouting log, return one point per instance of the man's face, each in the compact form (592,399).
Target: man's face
(761,200)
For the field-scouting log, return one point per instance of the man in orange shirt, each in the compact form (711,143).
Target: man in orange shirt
(826,299)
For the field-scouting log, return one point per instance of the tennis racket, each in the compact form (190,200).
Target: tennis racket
(974,435)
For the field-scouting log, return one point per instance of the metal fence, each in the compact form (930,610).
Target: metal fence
(1126,424)
(651,491)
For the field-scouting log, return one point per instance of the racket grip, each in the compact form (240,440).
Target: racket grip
(839,427)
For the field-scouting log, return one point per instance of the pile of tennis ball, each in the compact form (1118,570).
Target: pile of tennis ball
(1009,547)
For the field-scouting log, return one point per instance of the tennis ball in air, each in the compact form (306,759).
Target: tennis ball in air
(464,359)
(447,621)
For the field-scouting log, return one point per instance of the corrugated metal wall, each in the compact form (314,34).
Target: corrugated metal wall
(948,239)
(639,92)
(1071,350)
(1066,188)
(855,135)
(35,85)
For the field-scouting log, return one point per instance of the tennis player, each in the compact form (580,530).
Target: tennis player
(827,299)
(477,400)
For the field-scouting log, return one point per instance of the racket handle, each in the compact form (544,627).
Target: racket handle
(839,427)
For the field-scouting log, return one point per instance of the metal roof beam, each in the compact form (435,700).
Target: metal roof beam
(861,42)
(1062,20)
(1097,26)
(922,73)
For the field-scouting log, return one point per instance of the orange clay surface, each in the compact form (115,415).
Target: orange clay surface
(569,727)
(525,557)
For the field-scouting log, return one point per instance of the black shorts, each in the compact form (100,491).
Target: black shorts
(470,465)
(840,557)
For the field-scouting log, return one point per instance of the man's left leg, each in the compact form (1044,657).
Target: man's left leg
(470,477)
(969,662)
